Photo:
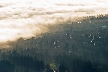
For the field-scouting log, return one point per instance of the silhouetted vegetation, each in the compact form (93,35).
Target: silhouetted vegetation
(77,47)
(6,66)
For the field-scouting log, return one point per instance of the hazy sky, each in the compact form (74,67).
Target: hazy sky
(27,18)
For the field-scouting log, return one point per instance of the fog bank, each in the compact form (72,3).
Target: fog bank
(29,18)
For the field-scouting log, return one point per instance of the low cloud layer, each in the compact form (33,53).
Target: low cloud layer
(28,18)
